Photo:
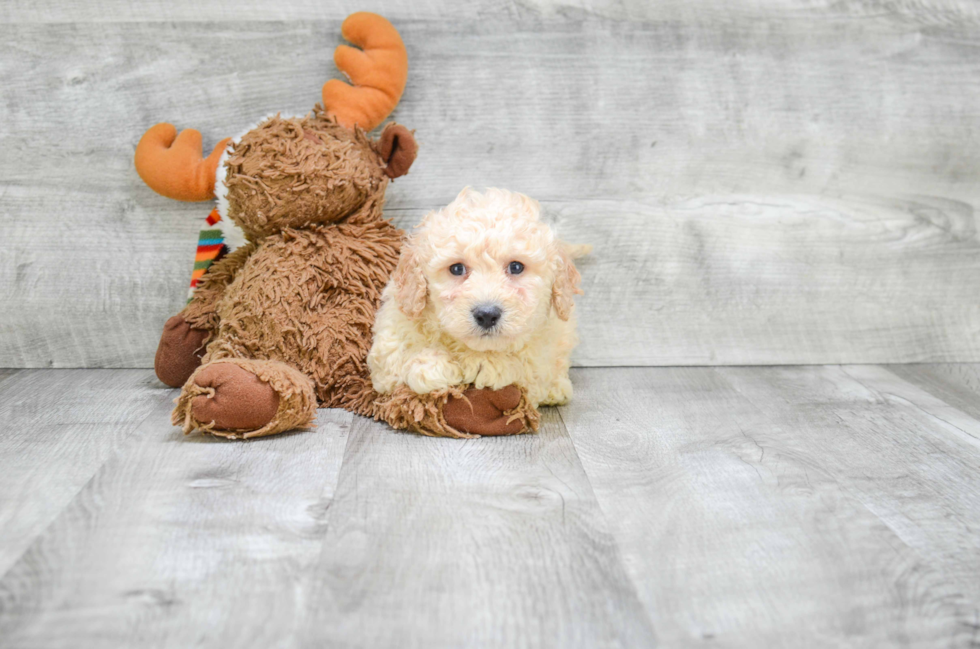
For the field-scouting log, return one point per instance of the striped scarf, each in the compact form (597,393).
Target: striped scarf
(211,247)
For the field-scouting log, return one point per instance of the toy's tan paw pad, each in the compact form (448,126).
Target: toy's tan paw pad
(482,412)
(237,399)
(179,352)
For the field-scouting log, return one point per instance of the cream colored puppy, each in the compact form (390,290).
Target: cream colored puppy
(482,297)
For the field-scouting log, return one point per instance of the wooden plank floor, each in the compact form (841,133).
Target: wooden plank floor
(820,506)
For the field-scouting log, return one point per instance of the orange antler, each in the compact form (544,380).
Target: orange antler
(172,165)
(378,70)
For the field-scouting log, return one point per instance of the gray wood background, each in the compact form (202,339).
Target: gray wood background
(775,181)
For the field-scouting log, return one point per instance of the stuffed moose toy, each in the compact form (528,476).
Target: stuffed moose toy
(283,323)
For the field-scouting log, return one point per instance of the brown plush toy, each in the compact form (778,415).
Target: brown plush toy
(284,322)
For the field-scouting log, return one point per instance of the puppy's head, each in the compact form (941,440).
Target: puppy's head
(486,270)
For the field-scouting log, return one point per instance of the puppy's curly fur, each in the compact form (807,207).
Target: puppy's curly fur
(426,336)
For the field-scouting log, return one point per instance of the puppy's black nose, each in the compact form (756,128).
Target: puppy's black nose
(486,315)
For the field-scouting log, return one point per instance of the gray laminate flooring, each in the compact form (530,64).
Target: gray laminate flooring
(820,506)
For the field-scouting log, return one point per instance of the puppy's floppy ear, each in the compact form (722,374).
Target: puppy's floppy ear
(567,284)
(410,287)
(397,147)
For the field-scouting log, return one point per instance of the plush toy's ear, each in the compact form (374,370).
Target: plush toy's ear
(567,284)
(410,287)
(398,149)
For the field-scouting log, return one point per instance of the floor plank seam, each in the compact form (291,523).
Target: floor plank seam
(617,547)
(124,442)
(957,432)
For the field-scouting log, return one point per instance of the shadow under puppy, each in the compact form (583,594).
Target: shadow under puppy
(478,319)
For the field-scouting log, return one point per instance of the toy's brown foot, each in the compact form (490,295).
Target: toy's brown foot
(241,398)
(482,412)
(179,352)
(235,399)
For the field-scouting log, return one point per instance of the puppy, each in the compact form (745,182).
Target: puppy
(481,300)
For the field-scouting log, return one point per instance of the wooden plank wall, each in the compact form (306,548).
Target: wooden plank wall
(776,181)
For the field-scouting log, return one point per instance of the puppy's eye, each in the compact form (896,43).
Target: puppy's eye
(457,269)
(515,268)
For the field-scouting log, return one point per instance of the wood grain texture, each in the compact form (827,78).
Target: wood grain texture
(928,12)
(57,429)
(908,461)
(785,506)
(766,280)
(957,384)
(890,387)
(482,543)
(193,541)
(730,160)
(731,507)
(179,542)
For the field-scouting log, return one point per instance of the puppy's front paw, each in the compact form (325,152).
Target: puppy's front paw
(559,393)
(432,371)
(482,411)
